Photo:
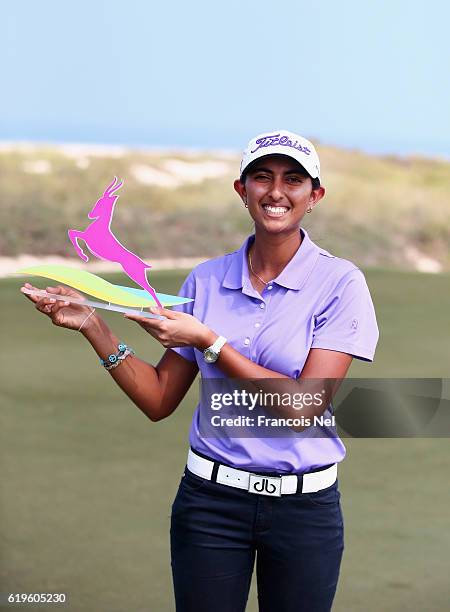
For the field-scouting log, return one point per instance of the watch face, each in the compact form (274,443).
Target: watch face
(210,356)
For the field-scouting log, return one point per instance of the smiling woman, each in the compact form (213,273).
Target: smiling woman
(279,183)
(285,311)
(277,186)
(281,310)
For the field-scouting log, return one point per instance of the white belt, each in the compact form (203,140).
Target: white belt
(259,483)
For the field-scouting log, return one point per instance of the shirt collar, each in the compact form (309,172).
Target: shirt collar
(293,276)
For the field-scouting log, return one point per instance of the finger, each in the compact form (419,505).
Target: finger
(44,301)
(58,305)
(59,291)
(163,311)
(45,305)
(32,298)
(140,320)
(62,290)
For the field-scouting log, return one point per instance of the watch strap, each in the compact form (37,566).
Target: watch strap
(218,344)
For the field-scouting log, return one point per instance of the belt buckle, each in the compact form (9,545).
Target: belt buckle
(265,485)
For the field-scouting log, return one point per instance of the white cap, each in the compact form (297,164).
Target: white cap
(284,143)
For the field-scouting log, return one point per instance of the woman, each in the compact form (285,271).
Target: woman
(279,308)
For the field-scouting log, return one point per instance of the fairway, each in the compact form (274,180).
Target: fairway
(88,481)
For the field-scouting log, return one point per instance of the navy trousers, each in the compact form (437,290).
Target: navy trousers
(217,532)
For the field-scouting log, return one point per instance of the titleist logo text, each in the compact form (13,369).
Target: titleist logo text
(284,141)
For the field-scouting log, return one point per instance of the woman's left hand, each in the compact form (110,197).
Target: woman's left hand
(179,329)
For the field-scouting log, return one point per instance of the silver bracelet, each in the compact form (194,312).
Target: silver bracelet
(120,358)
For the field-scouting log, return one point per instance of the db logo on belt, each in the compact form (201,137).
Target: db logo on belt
(265,485)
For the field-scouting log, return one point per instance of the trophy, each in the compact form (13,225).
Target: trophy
(101,242)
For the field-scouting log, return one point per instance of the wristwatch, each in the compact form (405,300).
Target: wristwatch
(211,354)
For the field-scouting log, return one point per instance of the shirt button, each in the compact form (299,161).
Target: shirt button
(247,341)
(262,305)
(257,324)
(269,287)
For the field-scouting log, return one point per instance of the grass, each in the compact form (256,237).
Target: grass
(85,505)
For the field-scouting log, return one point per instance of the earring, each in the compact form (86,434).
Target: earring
(245,203)
(309,210)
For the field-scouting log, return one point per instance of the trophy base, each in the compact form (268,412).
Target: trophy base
(94,304)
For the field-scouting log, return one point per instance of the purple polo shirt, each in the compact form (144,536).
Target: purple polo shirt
(317,301)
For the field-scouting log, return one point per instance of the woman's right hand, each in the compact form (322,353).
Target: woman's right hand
(61,313)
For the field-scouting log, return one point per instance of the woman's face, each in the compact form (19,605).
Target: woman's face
(278,193)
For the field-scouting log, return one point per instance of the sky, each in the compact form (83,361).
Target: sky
(370,75)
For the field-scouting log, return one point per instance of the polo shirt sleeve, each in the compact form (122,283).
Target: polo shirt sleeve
(346,321)
(187,290)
